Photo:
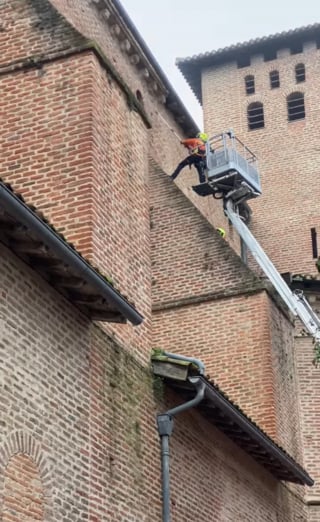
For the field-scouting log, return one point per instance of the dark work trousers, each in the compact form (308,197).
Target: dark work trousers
(197,161)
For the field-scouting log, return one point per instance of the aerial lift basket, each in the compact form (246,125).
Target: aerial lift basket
(231,168)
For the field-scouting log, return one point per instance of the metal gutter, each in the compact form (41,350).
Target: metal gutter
(17,208)
(255,433)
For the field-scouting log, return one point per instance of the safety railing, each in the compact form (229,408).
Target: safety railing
(226,153)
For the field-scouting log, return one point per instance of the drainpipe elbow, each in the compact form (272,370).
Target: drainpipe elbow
(193,360)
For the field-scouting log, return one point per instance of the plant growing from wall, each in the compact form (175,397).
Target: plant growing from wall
(316,349)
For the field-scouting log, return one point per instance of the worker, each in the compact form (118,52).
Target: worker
(197,156)
(222,232)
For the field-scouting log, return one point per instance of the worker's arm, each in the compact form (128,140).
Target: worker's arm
(190,143)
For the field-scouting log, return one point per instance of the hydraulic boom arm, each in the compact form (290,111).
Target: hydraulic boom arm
(295,301)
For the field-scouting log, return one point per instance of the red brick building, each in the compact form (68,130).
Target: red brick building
(89,225)
(267,91)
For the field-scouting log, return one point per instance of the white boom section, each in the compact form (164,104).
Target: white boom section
(295,301)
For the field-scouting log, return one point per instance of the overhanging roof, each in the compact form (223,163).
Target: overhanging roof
(192,66)
(232,421)
(31,238)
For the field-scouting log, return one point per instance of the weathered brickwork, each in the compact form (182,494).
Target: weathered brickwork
(31,29)
(26,478)
(94,449)
(23,494)
(162,140)
(285,213)
(288,161)
(229,338)
(308,394)
(285,381)
(208,304)
(76,150)
(64,127)
(233,337)
(77,420)
(78,394)
(189,258)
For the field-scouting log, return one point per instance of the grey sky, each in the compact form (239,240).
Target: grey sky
(180,28)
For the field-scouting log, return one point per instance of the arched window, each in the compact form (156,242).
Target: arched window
(300,71)
(255,116)
(274,79)
(249,83)
(295,103)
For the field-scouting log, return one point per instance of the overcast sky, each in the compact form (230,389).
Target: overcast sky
(181,28)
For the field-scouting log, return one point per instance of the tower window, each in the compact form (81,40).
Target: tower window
(295,103)
(274,79)
(300,71)
(255,116)
(249,82)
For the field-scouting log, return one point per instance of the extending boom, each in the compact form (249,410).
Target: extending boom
(295,301)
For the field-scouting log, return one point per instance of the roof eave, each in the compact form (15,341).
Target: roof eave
(282,466)
(191,67)
(257,435)
(119,307)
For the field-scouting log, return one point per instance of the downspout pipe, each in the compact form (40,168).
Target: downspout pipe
(197,362)
(165,428)
(14,206)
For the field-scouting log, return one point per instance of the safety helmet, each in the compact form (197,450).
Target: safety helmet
(203,136)
(222,232)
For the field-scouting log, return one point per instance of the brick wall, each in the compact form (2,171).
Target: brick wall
(73,147)
(208,304)
(287,151)
(71,141)
(308,394)
(242,354)
(284,214)
(83,408)
(75,401)
(189,258)
(285,381)
(78,416)
(23,492)
(33,28)
(227,335)
(163,142)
